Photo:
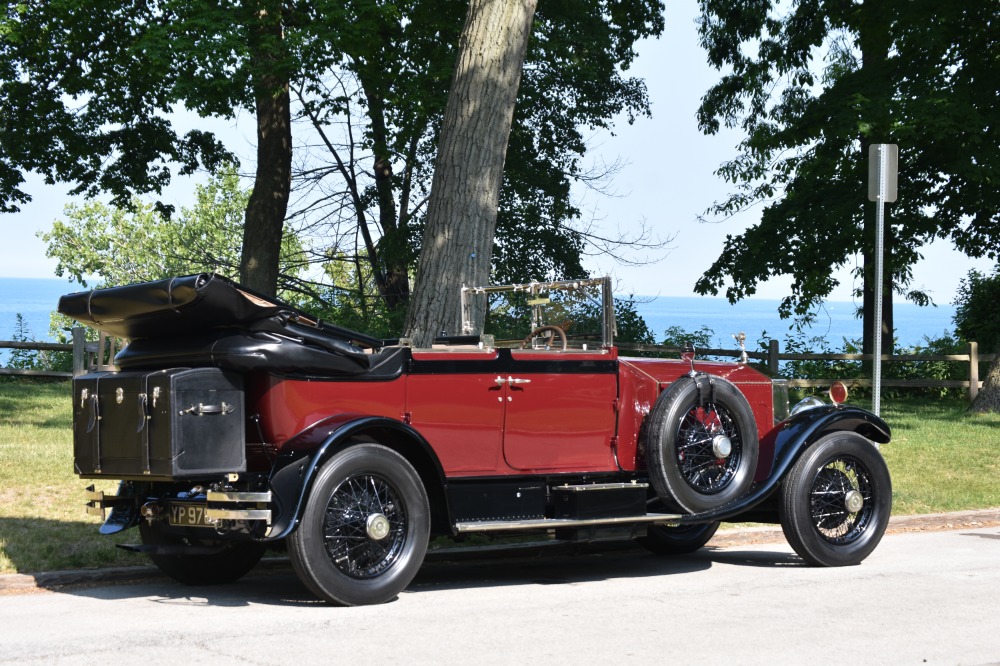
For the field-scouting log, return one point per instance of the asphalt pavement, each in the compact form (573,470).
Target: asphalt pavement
(725,538)
(929,594)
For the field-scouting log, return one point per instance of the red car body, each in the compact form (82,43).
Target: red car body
(237,422)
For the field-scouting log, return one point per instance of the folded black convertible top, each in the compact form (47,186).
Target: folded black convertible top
(206,319)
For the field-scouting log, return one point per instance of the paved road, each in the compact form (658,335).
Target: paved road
(920,598)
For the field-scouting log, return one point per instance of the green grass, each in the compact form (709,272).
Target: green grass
(942,459)
(43,526)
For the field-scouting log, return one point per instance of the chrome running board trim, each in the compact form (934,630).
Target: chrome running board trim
(545,523)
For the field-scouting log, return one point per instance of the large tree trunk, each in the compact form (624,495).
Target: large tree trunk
(462,212)
(875,41)
(988,399)
(265,215)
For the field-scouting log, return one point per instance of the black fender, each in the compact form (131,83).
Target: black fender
(294,472)
(789,440)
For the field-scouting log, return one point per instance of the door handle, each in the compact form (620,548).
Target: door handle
(515,380)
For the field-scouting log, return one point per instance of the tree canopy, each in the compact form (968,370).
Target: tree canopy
(87,91)
(378,116)
(117,246)
(813,83)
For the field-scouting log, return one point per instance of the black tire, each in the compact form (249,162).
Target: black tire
(232,562)
(678,540)
(836,500)
(684,468)
(360,492)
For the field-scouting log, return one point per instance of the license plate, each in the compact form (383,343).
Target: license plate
(190,515)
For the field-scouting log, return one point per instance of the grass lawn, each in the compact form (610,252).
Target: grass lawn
(942,458)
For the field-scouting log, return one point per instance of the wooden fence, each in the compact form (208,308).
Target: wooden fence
(772,357)
(99,355)
(88,355)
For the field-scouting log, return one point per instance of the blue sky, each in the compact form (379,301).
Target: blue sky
(667,181)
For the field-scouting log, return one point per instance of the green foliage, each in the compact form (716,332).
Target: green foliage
(976,302)
(391,89)
(677,336)
(630,324)
(88,90)
(32,359)
(119,246)
(840,369)
(23,359)
(812,85)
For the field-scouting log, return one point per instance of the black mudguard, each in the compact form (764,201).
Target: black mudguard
(295,471)
(789,440)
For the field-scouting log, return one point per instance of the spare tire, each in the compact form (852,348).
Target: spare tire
(701,444)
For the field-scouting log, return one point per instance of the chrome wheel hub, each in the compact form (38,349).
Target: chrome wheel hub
(853,501)
(721,446)
(377,526)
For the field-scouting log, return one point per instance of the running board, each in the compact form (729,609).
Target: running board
(547,523)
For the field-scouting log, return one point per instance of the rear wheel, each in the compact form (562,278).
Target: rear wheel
(678,540)
(364,531)
(836,500)
(219,561)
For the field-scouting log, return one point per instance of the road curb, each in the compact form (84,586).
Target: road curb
(930,522)
(50,580)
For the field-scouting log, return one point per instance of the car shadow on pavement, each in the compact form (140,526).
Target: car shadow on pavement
(274,583)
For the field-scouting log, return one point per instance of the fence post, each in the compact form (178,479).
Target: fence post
(79,350)
(772,356)
(973,370)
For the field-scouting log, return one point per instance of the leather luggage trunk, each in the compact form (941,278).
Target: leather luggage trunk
(162,425)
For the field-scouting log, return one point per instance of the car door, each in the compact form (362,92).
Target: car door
(560,410)
(454,401)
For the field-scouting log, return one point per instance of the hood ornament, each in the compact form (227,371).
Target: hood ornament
(687,354)
(741,340)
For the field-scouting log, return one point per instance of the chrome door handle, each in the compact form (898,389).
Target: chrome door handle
(500,380)
(514,380)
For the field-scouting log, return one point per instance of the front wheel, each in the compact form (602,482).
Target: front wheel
(364,531)
(836,501)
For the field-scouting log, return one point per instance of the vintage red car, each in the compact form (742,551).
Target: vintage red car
(237,422)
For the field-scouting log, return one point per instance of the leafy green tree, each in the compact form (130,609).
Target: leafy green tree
(118,246)
(370,185)
(24,359)
(976,320)
(976,309)
(86,90)
(813,84)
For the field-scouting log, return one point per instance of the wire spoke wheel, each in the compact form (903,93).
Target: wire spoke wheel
(836,500)
(697,458)
(365,527)
(842,484)
(701,443)
(357,541)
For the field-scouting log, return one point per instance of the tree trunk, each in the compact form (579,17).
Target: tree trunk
(391,259)
(265,214)
(875,41)
(462,211)
(988,399)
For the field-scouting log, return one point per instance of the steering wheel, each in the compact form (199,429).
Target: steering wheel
(555,329)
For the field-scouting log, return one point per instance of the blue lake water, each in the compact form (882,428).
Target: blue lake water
(36,298)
